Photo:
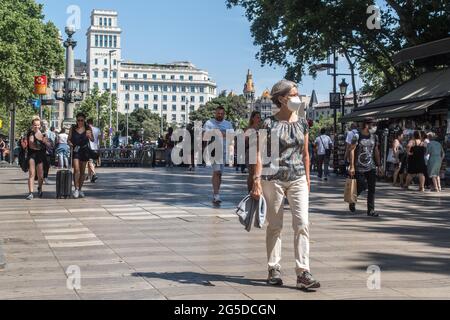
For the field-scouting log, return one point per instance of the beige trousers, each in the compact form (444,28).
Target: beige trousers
(297,194)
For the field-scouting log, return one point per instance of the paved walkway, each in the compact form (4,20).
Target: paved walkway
(153,234)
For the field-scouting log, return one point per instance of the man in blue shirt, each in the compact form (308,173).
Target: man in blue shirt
(218,123)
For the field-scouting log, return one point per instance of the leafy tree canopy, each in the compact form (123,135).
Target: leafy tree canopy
(295,34)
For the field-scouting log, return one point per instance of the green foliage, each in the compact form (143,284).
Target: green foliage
(142,119)
(28,47)
(296,34)
(100,116)
(235,110)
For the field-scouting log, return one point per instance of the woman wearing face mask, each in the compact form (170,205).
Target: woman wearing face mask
(287,174)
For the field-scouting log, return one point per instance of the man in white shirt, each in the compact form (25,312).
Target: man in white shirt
(218,123)
(95,146)
(324,146)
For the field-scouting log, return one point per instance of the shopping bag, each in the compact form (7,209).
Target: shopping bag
(350,191)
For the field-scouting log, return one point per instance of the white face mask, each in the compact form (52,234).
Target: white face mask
(373,130)
(294,104)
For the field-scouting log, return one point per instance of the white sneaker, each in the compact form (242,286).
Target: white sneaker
(217,199)
(81,194)
(46,182)
(76,194)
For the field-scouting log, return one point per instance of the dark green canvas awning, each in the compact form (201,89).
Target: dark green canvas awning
(396,111)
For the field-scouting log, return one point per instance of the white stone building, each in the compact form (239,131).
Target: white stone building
(171,90)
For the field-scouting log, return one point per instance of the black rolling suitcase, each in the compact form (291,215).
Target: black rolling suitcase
(64,184)
(64,180)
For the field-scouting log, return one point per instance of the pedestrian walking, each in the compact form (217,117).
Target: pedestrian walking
(50,149)
(218,123)
(79,136)
(169,145)
(436,155)
(365,163)
(288,176)
(95,147)
(36,143)
(253,127)
(398,155)
(2,149)
(324,146)
(416,161)
(62,149)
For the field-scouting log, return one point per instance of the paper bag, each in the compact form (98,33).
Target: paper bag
(350,192)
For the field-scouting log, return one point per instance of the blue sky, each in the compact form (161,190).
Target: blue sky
(204,32)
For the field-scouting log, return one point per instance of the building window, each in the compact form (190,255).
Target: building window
(193,89)
(101,21)
(110,22)
(127,97)
(183,108)
(96,85)
(174,107)
(164,98)
(136,87)
(183,118)
(114,86)
(174,117)
(163,77)
(146,87)
(155,88)
(165,117)
(95,74)
(144,76)
(105,86)
(191,108)
(164,107)
(192,99)
(115,41)
(146,97)
(191,78)
(183,98)
(165,88)
(181,77)
(96,61)
(136,106)
(202,99)
(136,97)
(115,62)
(135,75)
(174,98)
(101,40)
(154,76)
(105,74)
(126,75)
(202,89)
(127,106)
(127,87)
(115,74)
(155,107)
(105,62)
(155,97)
(146,106)
(174,88)
(172,77)
(110,41)
(96,40)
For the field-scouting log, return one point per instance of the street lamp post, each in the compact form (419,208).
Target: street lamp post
(127,125)
(110,96)
(343,88)
(66,89)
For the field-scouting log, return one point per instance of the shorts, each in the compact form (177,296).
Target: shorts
(218,167)
(38,156)
(81,155)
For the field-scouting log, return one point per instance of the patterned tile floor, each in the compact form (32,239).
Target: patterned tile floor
(154,234)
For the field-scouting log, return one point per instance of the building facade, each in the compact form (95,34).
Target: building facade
(172,90)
